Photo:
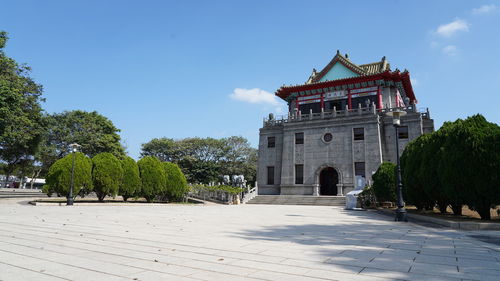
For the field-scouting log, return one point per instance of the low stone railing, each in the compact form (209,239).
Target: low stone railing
(298,116)
(249,195)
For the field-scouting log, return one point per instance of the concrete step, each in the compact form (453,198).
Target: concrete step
(298,200)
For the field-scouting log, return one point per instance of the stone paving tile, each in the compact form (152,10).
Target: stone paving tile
(329,275)
(405,275)
(326,266)
(437,269)
(156,276)
(9,272)
(278,276)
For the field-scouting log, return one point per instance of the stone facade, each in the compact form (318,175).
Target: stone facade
(321,152)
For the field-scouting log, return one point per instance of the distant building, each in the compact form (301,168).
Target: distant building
(336,128)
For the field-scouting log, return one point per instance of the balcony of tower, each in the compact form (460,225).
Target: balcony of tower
(297,116)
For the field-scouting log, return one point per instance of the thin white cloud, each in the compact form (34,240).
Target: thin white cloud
(447,30)
(256,96)
(450,50)
(484,9)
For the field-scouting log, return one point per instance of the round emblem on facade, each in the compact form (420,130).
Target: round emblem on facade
(327,137)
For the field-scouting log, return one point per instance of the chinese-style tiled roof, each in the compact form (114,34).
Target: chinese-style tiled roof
(364,69)
(376,67)
(371,74)
(385,78)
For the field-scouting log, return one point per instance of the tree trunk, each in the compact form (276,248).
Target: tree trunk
(442,206)
(100,196)
(6,180)
(457,209)
(34,177)
(125,197)
(484,212)
(21,182)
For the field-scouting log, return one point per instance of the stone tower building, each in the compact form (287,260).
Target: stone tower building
(337,129)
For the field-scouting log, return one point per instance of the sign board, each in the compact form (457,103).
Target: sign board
(335,95)
(364,92)
(309,97)
(309,101)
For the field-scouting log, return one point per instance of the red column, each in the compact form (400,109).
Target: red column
(349,99)
(322,101)
(379,97)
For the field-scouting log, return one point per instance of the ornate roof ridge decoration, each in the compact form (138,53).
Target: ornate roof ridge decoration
(363,69)
(343,60)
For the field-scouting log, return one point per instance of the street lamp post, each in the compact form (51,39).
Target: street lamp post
(74,148)
(400,211)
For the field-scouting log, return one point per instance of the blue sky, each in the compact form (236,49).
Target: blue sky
(209,68)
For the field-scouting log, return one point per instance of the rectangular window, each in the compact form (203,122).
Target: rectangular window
(403,132)
(299,138)
(271,141)
(299,174)
(270,175)
(359,169)
(359,133)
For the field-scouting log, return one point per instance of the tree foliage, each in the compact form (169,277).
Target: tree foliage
(59,175)
(456,165)
(107,175)
(21,125)
(384,182)
(131,182)
(204,160)
(152,176)
(176,184)
(94,132)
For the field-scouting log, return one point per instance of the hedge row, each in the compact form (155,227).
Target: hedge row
(226,188)
(457,165)
(108,176)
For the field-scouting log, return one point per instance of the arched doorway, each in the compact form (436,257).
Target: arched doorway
(328,180)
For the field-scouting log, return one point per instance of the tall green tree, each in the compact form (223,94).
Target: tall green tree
(21,126)
(131,182)
(107,174)
(152,176)
(93,131)
(165,149)
(176,184)
(59,175)
(474,163)
(411,170)
(205,160)
(239,158)
(384,182)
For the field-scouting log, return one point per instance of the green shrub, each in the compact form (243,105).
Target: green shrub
(131,182)
(225,188)
(47,189)
(384,182)
(415,191)
(474,163)
(107,175)
(152,176)
(59,175)
(176,184)
(456,165)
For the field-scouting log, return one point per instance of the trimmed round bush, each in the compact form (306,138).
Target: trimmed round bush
(384,182)
(107,175)
(59,175)
(176,184)
(152,177)
(131,182)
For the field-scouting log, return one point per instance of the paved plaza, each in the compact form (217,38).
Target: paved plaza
(245,242)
